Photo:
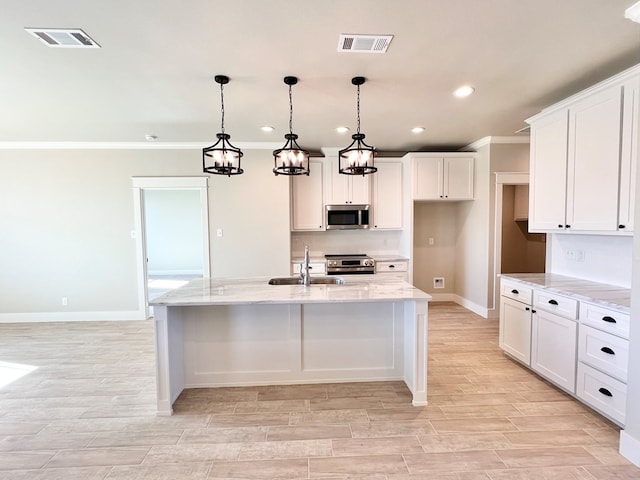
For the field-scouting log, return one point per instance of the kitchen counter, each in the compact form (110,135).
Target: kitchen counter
(246,291)
(610,296)
(243,331)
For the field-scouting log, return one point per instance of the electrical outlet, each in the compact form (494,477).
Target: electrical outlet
(438,282)
(430,240)
(65,301)
(219,232)
(571,254)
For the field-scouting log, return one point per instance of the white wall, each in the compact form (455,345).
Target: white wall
(370,242)
(173,228)
(607,259)
(67,218)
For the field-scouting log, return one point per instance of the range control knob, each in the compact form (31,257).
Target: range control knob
(331,263)
(368,263)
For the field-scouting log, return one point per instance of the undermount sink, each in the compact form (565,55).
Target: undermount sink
(312,281)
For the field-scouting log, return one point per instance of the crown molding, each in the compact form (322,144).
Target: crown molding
(493,140)
(129,145)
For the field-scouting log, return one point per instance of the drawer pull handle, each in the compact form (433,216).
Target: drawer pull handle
(553,302)
(605,392)
(392,266)
(515,292)
(527,308)
(607,350)
(609,319)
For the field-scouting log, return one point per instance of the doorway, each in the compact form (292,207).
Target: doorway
(515,249)
(172,234)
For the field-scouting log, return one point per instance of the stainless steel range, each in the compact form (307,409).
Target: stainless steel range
(350,264)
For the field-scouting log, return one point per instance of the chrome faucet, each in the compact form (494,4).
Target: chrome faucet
(304,268)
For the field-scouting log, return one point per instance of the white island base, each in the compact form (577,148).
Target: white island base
(272,343)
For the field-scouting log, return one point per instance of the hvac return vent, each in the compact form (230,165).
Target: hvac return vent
(63,37)
(364,43)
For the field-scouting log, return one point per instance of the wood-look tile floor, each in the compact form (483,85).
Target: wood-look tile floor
(88,412)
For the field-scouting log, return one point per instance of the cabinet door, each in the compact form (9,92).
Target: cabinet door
(346,189)
(307,207)
(359,188)
(548,173)
(458,178)
(594,162)
(554,349)
(387,196)
(428,177)
(515,329)
(629,154)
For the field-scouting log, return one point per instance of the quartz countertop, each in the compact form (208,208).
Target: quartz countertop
(389,258)
(610,296)
(238,291)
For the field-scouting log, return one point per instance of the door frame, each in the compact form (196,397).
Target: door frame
(502,179)
(140,184)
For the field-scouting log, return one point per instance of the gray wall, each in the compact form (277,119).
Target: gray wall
(67,218)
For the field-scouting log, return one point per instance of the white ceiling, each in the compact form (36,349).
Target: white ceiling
(154,72)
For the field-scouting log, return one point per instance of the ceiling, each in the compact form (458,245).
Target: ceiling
(154,72)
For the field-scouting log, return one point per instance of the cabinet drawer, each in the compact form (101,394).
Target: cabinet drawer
(516,290)
(606,352)
(315,268)
(602,392)
(391,267)
(554,303)
(604,319)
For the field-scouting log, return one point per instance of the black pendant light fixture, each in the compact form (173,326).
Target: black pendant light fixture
(291,159)
(222,158)
(357,158)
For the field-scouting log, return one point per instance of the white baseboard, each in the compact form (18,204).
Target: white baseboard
(35,317)
(469,305)
(442,297)
(630,448)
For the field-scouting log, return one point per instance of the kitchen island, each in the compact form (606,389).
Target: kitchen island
(234,331)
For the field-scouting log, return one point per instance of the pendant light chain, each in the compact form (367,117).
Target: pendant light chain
(358,110)
(290,111)
(222,107)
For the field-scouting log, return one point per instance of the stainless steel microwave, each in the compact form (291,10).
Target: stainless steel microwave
(347,217)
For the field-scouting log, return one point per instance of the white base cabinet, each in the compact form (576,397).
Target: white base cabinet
(515,329)
(553,348)
(581,347)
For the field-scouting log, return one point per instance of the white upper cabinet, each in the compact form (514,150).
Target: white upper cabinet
(594,162)
(442,178)
(307,206)
(387,196)
(346,189)
(583,161)
(548,173)
(629,153)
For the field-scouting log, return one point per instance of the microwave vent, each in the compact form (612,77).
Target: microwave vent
(364,43)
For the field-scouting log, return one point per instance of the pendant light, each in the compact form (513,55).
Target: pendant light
(291,159)
(357,158)
(222,158)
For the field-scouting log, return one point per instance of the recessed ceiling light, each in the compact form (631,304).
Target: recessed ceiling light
(464,91)
(342,129)
(151,138)
(417,130)
(267,128)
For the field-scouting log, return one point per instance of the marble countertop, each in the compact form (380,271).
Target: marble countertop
(238,291)
(610,296)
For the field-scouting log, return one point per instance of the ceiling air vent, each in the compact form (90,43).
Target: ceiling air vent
(364,43)
(63,37)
